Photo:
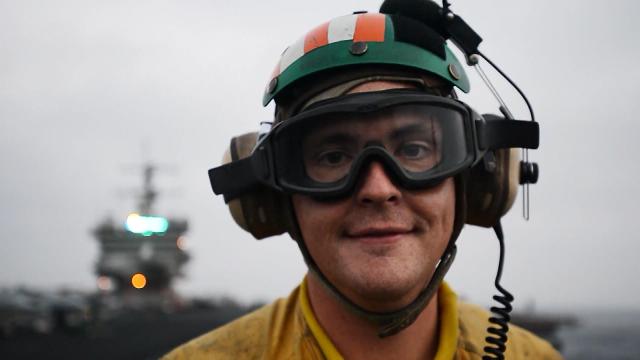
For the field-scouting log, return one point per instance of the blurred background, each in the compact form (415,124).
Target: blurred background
(96,97)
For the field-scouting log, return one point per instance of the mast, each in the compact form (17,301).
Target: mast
(149,193)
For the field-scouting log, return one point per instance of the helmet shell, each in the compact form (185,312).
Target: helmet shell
(358,39)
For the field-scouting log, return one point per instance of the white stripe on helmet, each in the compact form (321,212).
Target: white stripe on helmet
(293,53)
(342,28)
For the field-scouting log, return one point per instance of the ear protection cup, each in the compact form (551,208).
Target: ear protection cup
(492,187)
(261,212)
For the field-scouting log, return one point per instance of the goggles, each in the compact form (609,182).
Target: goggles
(420,140)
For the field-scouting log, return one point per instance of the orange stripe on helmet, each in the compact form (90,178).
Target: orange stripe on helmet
(370,27)
(316,38)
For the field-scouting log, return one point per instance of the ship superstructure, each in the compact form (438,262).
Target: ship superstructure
(143,252)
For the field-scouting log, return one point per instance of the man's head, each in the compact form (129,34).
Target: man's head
(380,245)
(368,160)
(374,238)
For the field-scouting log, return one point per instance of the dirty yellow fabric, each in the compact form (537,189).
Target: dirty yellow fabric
(448,324)
(287,329)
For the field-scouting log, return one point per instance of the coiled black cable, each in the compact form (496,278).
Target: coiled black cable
(497,338)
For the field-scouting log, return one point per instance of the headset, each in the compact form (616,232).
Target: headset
(491,184)
(490,193)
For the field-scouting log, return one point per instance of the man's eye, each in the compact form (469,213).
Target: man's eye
(333,158)
(414,150)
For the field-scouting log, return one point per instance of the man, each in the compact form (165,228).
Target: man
(373,167)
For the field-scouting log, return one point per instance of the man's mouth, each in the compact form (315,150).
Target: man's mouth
(379,235)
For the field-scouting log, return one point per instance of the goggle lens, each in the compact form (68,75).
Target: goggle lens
(418,138)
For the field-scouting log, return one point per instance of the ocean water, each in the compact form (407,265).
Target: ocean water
(602,335)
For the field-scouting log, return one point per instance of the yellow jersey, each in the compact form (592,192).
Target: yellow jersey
(288,329)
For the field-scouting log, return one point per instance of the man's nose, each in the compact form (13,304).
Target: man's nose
(376,187)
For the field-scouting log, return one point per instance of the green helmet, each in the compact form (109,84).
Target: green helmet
(367,39)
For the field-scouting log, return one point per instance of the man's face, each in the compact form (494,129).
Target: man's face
(378,246)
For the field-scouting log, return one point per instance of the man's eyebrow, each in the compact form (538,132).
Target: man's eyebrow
(333,138)
(410,130)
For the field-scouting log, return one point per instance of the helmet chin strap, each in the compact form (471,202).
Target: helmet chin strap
(392,322)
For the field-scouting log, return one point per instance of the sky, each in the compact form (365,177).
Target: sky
(90,90)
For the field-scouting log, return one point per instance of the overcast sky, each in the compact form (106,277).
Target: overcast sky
(89,88)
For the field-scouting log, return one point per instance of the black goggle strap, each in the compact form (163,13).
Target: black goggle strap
(241,176)
(499,133)
(235,178)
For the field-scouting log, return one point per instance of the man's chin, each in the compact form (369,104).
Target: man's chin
(384,293)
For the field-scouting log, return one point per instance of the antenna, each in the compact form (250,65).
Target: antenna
(528,170)
(149,194)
